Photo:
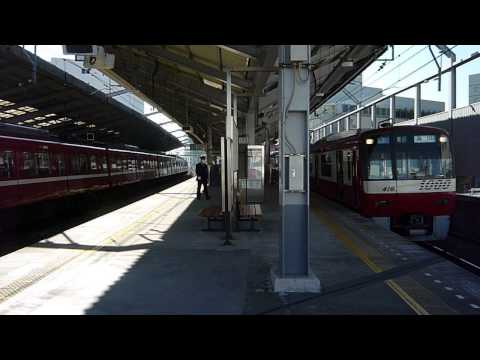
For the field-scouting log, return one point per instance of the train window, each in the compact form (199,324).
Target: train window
(29,167)
(379,161)
(6,165)
(75,162)
(421,157)
(83,163)
(131,165)
(326,165)
(347,165)
(103,162)
(93,162)
(43,163)
(61,165)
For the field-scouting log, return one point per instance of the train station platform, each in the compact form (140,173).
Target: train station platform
(152,257)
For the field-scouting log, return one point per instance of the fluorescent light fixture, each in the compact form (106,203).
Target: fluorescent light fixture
(212,84)
(348,63)
(369,141)
(443,139)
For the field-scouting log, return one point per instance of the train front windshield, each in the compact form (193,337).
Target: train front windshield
(409,157)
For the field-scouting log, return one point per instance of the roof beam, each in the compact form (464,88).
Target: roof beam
(268,60)
(242,50)
(63,109)
(196,66)
(36,100)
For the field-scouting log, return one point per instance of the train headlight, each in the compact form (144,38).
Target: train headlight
(369,141)
(443,139)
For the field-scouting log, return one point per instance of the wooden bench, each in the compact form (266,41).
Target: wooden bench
(213,214)
(251,213)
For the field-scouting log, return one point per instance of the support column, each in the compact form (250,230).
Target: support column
(227,189)
(209,144)
(392,110)
(251,122)
(235,138)
(358,118)
(453,98)
(293,273)
(373,116)
(417,109)
(453,88)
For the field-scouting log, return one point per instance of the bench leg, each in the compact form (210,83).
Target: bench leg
(209,228)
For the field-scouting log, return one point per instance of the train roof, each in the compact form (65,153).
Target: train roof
(40,135)
(344,135)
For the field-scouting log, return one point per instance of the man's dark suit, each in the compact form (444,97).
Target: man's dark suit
(202,171)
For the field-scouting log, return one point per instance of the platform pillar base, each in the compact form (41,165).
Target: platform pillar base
(310,283)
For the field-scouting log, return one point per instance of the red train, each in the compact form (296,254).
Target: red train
(36,167)
(400,176)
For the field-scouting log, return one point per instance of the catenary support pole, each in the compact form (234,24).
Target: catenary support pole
(293,273)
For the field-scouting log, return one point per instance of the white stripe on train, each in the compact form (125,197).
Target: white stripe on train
(59,178)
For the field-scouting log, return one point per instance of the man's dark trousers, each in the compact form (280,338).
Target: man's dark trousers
(202,173)
(205,187)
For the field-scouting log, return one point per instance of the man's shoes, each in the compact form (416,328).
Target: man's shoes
(199,198)
(208,197)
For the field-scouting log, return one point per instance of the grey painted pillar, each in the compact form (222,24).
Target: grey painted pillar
(373,116)
(453,88)
(267,157)
(359,124)
(227,188)
(453,97)
(293,272)
(251,122)
(347,123)
(417,108)
(209,144)
(235,136)
(338,126)
(392,110)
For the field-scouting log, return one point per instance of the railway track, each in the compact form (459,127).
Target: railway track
(463,253)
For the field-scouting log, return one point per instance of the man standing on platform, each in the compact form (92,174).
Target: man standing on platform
(201,169)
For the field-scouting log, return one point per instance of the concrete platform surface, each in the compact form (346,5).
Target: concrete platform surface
(151,257)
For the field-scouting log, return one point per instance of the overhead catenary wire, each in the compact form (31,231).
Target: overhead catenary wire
(389,86)
(383,75)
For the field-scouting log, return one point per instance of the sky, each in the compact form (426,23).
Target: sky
(420,55)
(407,59)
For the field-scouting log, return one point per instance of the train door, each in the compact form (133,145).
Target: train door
(8,174)
(355,181)
(339,167)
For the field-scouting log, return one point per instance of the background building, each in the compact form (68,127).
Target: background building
(100,82)
(355,94)
(473,88)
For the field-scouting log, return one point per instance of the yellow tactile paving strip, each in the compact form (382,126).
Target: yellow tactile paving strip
(429,303)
